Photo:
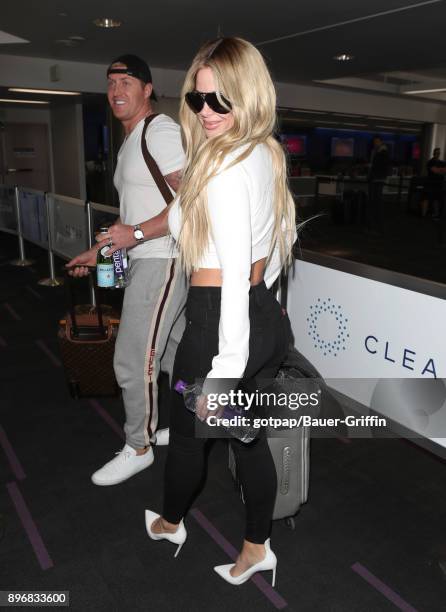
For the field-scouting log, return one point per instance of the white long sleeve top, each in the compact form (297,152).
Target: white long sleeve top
(241,214)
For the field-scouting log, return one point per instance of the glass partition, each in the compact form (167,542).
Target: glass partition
(68,226)
(8,214)
(102,215)
(33,216)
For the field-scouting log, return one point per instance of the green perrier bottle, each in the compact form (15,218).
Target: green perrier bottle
(104,265)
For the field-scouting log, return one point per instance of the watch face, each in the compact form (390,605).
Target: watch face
(139,234)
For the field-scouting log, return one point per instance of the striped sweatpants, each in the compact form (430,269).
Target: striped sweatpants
(152,324)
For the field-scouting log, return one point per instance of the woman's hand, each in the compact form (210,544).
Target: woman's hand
(202,410)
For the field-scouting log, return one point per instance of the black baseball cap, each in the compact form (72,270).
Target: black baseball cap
(136,67)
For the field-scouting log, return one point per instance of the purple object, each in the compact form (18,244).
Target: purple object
(180,386)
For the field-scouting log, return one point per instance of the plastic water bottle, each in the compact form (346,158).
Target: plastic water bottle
(120,268)
(238,422)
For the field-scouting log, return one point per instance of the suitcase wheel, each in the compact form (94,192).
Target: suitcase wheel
(290,523)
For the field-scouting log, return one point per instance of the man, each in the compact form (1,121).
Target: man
(379,170)
(152,320)
(434,187)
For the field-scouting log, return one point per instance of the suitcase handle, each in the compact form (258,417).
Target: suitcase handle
(87,332)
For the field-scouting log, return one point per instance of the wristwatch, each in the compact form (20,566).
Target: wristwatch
(138,233)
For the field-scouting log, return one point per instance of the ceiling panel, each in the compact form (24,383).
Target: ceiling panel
(168,32)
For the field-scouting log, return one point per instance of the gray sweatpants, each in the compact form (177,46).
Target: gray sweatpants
(152,323)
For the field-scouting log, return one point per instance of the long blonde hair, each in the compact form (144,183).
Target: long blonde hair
(241,76)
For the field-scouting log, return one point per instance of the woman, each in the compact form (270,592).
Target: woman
(234,221)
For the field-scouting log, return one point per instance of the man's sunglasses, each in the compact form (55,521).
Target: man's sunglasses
(196,100)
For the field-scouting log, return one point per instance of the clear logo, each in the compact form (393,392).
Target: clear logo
(327,327)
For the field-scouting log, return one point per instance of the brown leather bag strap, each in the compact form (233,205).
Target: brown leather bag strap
(153,166)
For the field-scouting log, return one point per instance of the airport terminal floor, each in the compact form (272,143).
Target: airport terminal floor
(371,536)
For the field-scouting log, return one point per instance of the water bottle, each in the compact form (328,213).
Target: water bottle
(238,423)
(104,265)
(120,268)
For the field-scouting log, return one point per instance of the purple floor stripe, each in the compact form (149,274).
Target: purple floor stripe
(49,353)
(34,292)
(107,418)
(29,525)
(11,456)
(3,342)
(12,312)
(277,600)
(382,588)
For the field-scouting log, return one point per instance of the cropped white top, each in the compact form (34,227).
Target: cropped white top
(241,215)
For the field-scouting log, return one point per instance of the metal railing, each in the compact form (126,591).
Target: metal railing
(61,225)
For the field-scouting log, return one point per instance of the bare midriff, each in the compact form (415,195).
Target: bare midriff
(211,277)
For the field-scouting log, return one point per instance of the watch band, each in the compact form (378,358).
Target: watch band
(138,233)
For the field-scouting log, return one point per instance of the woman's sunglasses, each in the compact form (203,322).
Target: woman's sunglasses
(196,100)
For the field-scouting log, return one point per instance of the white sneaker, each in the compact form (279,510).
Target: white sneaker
(123,466)
(162,437)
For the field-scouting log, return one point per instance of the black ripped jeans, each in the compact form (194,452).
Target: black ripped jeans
(268,344)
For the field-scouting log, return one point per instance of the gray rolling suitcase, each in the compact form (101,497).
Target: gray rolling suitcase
(290,451)
(291,454)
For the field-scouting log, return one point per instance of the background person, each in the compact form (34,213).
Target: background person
(152,318)
(378,172)
(235,223)
(433,201)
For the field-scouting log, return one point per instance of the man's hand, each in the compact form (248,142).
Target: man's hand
(120,235)
(79,265)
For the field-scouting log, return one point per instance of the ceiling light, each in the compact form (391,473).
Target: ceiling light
(11,101)
(343,57)
(107,22)
(76,38)
(421,91)
(56,92)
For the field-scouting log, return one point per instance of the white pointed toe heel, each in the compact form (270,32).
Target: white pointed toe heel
(179,537)
(268,563)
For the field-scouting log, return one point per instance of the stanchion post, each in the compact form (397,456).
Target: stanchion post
(22,261)
(89,216)
(52,281)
